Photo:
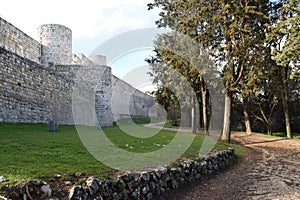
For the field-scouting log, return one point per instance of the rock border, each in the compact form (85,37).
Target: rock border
(130,185)
(146,185)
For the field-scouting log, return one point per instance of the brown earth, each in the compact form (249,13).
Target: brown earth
(270,170)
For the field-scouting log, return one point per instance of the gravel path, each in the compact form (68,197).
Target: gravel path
(271,170)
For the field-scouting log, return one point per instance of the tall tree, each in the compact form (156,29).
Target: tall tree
(285,39)
(259,73)
(267,96)
(170,103)
(227,27)
(179,53)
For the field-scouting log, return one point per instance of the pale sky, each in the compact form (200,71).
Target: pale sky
(89,20)
(92,21)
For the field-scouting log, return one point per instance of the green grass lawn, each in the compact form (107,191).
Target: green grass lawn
(29,151)
(168,124)
(295,135)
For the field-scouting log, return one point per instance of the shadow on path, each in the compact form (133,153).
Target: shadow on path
(269,171)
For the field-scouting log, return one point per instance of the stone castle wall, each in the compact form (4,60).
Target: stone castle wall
(129,102)
(56,43)
(37,80)
(31,93)
(14,40)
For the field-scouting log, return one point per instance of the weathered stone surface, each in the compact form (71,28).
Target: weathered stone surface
(35,189)
(93,184)
(46,190)
(78,193)
(38,79)
(128,102)
(2,179)
(31,93)
(145,176)
(56,43)
(3,198)
(68,183)
(145,185)
(14,40)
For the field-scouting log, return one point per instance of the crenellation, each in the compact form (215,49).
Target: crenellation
(97,59)
(37,80)
(80,59)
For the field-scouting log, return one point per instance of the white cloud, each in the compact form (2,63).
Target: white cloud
(91,21)
(87,19)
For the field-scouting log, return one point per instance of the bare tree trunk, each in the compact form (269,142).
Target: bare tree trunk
(285,103)
(247,119)
(194,120)
(287,119)
(204,107)
(227,114)
(269,129)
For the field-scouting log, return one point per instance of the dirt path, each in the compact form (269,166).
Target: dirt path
(271,170)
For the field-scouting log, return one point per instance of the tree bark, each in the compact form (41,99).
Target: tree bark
(204,107)
(285,103)
(287,119)
(269,130)
(247,119)
(227,116)
(194,120)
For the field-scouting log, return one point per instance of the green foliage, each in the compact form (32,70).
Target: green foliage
(232,31)
(284,34)
(168,100)
(283,135)
(178,68)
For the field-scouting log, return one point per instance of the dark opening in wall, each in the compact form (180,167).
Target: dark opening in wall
(19,84)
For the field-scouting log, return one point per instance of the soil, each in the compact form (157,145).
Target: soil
(270,170)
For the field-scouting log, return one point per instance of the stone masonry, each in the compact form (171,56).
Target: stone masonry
(37,80)
(56,43)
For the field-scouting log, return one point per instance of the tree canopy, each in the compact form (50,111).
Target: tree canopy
(233,31)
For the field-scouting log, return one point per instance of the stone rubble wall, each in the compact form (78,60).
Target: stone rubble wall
(16,41)
(56,43)
(128,185)
(104,98)
(148,185)
(81,59)
(37,80)
(31,93)
(128,102)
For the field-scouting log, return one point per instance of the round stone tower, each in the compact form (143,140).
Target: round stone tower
(56,43)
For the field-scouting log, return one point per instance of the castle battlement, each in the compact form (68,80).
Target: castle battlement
(38,78)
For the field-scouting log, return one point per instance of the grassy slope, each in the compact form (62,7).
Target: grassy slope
(296,136)
(29,151)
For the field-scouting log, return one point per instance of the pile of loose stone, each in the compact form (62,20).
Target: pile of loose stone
(130,185)
(145,185)
(32,190)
